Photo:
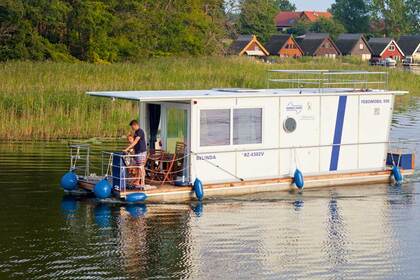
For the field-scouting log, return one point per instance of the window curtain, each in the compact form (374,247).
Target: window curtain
(154,120)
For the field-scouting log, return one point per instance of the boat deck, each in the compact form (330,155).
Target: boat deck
(167,192)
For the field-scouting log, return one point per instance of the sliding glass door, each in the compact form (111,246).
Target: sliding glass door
(176,127)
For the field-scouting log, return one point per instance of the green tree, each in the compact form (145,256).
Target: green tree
(413,10)
(324,25)
(285,5)
(256,17)
(299,28)
(395,15)
(19,38)
(90,24)
(353,14)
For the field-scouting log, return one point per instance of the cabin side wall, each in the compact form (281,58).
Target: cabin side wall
(361,50)
(231,161)
(340,133)
(318,134)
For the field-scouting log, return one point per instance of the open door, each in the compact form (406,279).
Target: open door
(175,125)
(169,124)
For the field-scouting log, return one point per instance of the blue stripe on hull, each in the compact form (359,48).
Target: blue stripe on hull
(338,133)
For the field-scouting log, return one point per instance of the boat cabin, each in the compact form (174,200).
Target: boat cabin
(232,136)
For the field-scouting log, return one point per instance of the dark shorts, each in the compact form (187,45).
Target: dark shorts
(140,159)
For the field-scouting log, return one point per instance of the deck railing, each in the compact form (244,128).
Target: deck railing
(80,158)
(327,79)
(116,166)
(122,169)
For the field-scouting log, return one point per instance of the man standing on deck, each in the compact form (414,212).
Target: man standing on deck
(139,145)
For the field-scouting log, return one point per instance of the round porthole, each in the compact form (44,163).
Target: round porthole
(289,125)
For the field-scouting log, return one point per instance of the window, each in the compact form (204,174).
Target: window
(361,46)
(247,126)
(392,48)
(290,125)
(215,127)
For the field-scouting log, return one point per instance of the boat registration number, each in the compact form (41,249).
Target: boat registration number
(253,154)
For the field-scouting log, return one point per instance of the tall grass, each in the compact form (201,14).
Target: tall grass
(47,101)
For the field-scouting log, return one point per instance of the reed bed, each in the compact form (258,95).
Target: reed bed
(46,100)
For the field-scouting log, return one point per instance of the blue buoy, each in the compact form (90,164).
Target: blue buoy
(102,189)
(298,179)
(198,189)
(136,211)
(136,197)
(69,181)
(396,172)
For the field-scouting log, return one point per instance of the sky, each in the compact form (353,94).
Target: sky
(318,5)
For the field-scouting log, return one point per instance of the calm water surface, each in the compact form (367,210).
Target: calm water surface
(359,232)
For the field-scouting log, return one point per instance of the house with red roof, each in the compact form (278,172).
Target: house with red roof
(383,48)
(285,19)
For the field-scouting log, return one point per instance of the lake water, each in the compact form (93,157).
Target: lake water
(358,232)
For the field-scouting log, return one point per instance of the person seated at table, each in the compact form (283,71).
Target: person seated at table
(139,145)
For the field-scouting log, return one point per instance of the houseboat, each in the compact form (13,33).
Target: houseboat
(328,128)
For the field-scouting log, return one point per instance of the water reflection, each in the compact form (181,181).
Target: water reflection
(336,240)
(197,208)
(360,232)
(68,206)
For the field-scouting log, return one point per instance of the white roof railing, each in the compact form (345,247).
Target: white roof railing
(323,79)
(293,82)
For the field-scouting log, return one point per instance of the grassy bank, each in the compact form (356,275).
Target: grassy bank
(47,101)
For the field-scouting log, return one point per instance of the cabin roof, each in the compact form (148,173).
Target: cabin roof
(315,15)
(239,46)
(286,18)
(379,44)
(189,95)
(409,44)
(311,42)
(289,18)
(346,42)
